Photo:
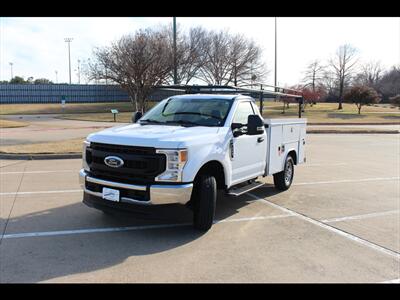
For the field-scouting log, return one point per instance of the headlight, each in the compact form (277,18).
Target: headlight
(176,160)
(85,159)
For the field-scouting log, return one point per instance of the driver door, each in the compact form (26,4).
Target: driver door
(249,151)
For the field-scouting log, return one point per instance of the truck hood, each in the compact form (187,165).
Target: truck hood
(158,136)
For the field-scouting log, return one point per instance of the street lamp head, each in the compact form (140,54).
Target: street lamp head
(68,40)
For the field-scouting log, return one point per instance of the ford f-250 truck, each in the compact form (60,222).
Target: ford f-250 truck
(184,149)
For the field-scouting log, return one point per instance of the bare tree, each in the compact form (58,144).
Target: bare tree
(194,57)
(343,64)
(370,74)
(190,52)
(395,100)
(389,84)
(313,75)
(231,59)
(245,61)
(361,95)
(137,62)
(216,68)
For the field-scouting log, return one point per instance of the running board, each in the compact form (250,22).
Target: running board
(244,189)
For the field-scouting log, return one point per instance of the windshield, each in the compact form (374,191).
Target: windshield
(188,112)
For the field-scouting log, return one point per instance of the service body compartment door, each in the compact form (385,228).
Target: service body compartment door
(275,155)
(290,133)
(284,135)
(302,144)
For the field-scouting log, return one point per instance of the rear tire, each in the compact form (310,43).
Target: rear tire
(204,197)
(283,180)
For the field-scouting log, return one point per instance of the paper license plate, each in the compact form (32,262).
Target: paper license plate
(110,194)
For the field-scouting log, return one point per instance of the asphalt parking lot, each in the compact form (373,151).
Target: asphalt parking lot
(339,222)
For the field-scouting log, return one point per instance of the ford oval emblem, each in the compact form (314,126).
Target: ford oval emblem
(113,161)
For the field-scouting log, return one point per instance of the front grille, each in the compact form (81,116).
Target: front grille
(141,164)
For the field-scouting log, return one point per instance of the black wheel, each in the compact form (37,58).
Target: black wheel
(283,180)
(204,197)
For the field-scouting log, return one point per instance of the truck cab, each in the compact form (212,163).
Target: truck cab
(186,148)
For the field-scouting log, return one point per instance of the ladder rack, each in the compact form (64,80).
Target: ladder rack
(261,92)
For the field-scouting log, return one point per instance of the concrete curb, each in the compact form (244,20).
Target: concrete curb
(327,131)
(39,156)
(340,124)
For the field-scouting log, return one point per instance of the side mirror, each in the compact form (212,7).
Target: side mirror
(255,125)
(237,129)
(136,116)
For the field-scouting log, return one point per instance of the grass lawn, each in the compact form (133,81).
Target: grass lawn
(328,113)
(55,108)
(67,146)
(319,113)
(11,124)
(124,117)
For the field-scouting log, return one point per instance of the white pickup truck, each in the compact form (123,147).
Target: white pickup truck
(184,149)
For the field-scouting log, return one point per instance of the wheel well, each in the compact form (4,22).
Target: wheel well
(293,154)
(215,169)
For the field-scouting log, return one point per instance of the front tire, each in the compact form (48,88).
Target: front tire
(283,180)
(204,198)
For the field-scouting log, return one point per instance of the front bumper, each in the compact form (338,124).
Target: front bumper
(159,194)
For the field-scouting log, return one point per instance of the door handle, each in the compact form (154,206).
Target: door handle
(260,139)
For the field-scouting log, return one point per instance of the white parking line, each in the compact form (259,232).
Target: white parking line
(39,192)
(364,216)
(349,180)
(38,172)
(392,281)
(302,183)
(354,238)
(253,218)
(89,230)
(129,228)
(323,164)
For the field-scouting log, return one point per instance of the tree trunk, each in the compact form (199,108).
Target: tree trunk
(359,109)
(341,94)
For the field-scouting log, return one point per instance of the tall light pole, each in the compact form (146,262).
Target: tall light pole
(69,40)
(275,57)
(11,66)
(175,68)
(56,76)
(79,72)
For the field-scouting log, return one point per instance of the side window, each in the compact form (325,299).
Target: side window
(242,112)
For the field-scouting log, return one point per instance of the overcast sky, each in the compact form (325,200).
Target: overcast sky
(36,45)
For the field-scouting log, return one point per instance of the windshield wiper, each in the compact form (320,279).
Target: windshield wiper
(183,122)
(196,113)
(151,121)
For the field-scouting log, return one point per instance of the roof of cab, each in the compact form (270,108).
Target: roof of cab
(210,96)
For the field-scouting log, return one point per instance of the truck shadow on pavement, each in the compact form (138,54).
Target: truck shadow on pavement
(42,258)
